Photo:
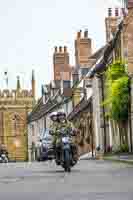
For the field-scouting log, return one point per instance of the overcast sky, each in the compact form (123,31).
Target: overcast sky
(29,30)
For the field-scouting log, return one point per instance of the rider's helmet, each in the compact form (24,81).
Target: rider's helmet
(53,116)
(61,116)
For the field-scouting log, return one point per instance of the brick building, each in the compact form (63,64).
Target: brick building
(111,22)
(62,68)
(83,49)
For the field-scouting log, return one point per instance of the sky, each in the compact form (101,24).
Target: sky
(29,30)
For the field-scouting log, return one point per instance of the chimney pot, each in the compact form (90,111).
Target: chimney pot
(86,34)
(109,12)
(116,12)
(60,49)
(79,34)
(123,10)
(55,49)
(65,49)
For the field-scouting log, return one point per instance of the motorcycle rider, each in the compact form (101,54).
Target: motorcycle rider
(65,124)
(53,126)
(53,129)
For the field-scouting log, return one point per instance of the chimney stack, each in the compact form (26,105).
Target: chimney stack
(61,63)
(83,49)
(129,4)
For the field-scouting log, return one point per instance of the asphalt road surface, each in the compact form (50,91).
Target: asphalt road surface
(89,180)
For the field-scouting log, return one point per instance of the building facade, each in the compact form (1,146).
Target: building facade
(14,108)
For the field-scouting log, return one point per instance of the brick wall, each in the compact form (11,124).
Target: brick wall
(129,35)
(62,69)
(83,49)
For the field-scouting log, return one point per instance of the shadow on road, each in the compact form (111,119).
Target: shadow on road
(56,171)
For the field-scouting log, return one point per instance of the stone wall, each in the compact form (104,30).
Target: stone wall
(14,108)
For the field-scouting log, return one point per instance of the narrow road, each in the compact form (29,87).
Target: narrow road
(89,180)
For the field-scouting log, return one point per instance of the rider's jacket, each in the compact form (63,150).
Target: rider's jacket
(67,126)
(57,126)
(54,131)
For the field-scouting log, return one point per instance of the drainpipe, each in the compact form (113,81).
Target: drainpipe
(104,121)
(130,113)
(92,142)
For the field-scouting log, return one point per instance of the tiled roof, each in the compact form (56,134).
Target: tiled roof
(41,109)
(79,108)
(98,53)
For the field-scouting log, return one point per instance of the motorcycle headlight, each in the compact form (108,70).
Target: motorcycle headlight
(65,139)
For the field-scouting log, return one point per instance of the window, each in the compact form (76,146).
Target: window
(66,84)
(16,124)
(84,71)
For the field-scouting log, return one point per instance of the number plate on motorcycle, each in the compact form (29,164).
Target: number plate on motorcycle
(67,146)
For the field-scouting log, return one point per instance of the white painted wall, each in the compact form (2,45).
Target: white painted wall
(96,113)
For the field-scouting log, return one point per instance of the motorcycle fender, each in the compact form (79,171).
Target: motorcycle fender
(66,146)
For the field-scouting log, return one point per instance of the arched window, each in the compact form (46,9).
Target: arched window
(16,124)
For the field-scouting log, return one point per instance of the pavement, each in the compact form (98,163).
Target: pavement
(87,156)
(89,180)
(127,158)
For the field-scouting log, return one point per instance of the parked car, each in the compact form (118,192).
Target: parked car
(46,151)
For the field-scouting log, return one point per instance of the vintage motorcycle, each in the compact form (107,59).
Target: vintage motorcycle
(65,150)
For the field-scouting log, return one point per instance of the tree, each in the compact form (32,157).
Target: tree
(117,96)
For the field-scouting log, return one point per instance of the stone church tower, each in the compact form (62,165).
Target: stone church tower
(14,108)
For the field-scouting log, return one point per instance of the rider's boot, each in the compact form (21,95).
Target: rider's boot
(58,159)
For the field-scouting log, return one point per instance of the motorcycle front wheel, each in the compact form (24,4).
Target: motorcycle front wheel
(67,161)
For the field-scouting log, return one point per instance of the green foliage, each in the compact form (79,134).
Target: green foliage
(117,97)
(115,71)
(123,148)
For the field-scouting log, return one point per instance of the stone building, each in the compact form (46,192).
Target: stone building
(14,108)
